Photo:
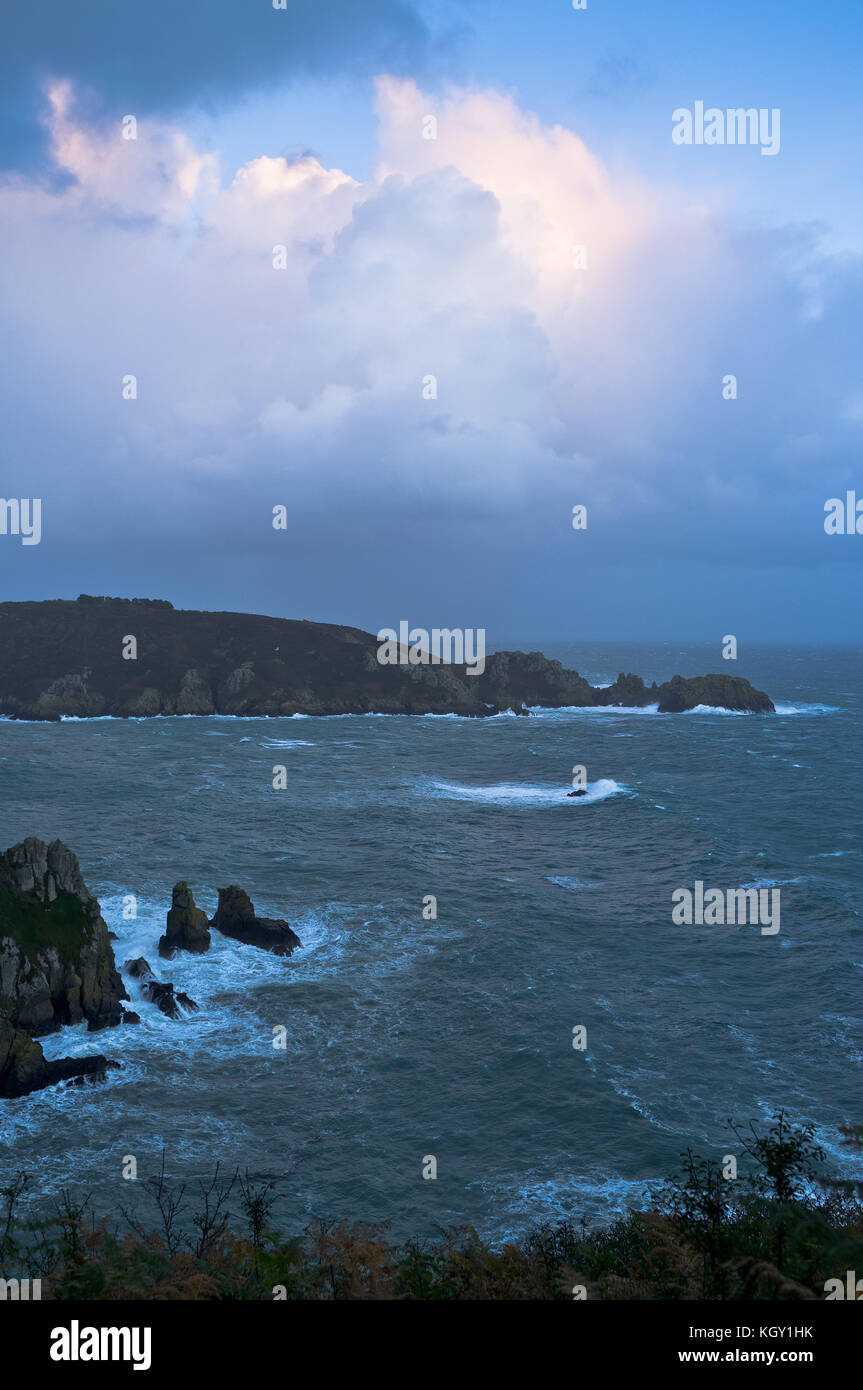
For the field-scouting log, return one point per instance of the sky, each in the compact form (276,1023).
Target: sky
(428,276)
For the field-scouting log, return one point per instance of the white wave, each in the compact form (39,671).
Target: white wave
(806,709)
(715,709)
(541,712)
(287,743)
(597,1197)
(83,718)
(151,718)
(773,882)
(446,716)
(564,881)
(521,794)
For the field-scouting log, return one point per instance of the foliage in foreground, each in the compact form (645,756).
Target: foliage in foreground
(778,1232)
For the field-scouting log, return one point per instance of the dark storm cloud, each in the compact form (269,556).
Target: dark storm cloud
(162,55)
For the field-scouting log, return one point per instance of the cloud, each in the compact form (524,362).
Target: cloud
(309,385)
(162,56)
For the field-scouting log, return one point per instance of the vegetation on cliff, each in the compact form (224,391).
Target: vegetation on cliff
(56,965)
(56,959)
(57,962)
(776,1233)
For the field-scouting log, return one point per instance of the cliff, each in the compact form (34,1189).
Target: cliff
(56,960)
(65,657)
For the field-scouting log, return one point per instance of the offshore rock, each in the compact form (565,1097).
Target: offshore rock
(235,917)
(718,691)
(187,926)
(92,1075)
(159,992)
(23,1067)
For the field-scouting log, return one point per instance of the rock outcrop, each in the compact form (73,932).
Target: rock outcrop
(23,1067)
(62,657)
(159,992)
(717,691)
(56,959)
(235,917)
(56,966)
(187,927)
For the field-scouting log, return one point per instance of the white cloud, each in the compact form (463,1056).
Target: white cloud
(455,261)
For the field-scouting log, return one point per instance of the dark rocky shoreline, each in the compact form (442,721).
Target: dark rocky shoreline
(65,658)
(57,962)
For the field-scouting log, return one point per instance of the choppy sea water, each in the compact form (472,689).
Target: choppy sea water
(409,1037)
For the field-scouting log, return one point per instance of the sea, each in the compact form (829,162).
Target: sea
(462,920)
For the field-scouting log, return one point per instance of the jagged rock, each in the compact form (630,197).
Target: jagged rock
(195,695)
(187,926)
(70,694)
(628,690)
(138,968)
(512,680)
(718,691)
(129,1016)
(94,1076)
(23,1067)
(582,791)
(235,693)
(159,992)
(56,960)
(162,995)
(235,917)
(674,696)
(147,702)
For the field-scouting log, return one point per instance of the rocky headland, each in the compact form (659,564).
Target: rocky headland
(66,657)
(57,963)
(56,960)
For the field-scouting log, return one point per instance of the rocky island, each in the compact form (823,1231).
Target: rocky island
(139,657)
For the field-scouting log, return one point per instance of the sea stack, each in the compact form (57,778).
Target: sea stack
(235,917)
(187,928)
